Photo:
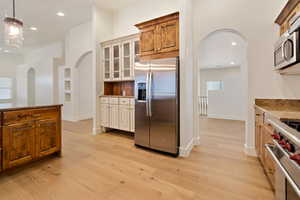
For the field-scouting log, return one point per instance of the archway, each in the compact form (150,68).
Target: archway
(83,86)
(222,82)
(31,86)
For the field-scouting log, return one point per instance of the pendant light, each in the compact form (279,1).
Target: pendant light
(13,30)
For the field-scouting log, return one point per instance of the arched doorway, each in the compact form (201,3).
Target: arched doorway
(31,86)
(222,84)
(84,85)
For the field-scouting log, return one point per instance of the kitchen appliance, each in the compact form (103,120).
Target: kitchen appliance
(287,50)
(157,105)
(286,154)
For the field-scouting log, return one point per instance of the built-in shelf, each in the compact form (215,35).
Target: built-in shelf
(68,84)
(67,73)
(67,97)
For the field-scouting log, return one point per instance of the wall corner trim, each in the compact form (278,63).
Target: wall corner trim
(250,151)
(186,151)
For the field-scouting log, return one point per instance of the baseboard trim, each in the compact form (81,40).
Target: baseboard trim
(97,131)
(186,151)
(250,151)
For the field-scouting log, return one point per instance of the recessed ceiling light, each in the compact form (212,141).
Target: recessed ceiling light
(60,14)
(6,51)
(232,63)
(233,43)
(33,28)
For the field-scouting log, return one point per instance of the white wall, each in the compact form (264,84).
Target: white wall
(8,68)
(42,60)
(125,18)
(102,30)
(228,103)
(85,83)
(261,34)
(78,42)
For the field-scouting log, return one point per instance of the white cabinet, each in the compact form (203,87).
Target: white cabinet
(119,57)
(107,62)
(124,118)
(118,113)
(114,116)
(116,69)
(105,118)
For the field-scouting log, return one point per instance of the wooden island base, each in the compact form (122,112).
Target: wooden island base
(28,134)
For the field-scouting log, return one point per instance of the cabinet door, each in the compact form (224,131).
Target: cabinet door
(48,137)
(107,63)
(127,61)
(168,36)
(116,70)
(132,119)
(258,139)
(114,116)
(104,115)
(147,38)
(270,167)
(18,144)
(124,118)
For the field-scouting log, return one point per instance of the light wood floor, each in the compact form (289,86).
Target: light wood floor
(110,167)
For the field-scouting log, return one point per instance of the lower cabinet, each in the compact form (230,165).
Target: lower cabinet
(105,118)
(124,118)
(48,137)
(25,139)
(117,113)
(18,144)
(263,136)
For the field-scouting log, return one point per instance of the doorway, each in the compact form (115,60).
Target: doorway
(31,86)
(222,86)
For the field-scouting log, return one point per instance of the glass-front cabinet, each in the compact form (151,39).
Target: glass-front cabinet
(107,63)
(119,58)
(127,61)
(116,62)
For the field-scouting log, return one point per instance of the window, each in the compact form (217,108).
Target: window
(214,85)
(6,85)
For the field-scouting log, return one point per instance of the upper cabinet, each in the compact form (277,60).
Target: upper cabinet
(287,14)
(119,57)
(159,38)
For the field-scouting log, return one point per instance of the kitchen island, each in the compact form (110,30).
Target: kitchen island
(28,133)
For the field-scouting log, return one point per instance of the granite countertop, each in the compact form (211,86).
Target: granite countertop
(282,109)
(11,107)
(117,96)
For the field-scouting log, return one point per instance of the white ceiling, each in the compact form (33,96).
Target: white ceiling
(217,50)
(114,4)
(42,14)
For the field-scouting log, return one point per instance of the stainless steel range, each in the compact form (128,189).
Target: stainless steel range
(286,154)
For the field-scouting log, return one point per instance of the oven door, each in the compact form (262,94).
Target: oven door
(286,188)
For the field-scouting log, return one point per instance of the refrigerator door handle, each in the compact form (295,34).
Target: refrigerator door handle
(150,94)
(147,94)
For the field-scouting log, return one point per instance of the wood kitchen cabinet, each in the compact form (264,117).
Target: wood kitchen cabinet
(48,137)
(263,136)
(18,144)
(29,134)
(159,38)
(287,14)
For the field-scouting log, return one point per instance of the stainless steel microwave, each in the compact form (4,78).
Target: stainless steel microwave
(287,50)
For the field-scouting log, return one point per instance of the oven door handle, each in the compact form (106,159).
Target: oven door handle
(286,174)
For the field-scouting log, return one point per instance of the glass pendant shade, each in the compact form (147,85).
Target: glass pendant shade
(13,32)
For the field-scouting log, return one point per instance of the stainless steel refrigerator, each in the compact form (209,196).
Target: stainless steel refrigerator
(157,105)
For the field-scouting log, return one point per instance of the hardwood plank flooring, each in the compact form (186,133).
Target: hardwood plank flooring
(110,167)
